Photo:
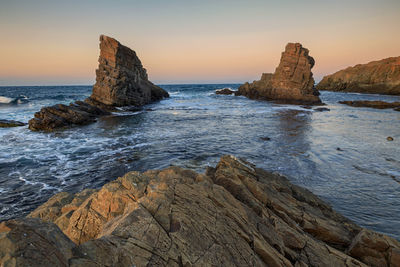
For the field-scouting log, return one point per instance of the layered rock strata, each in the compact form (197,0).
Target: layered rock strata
(60,116)
(121,80)
(233,215)
(376,77)
(292,82)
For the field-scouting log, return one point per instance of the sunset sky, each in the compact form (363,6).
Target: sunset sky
(208,41)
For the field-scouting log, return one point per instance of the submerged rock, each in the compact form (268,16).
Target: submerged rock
(225,91)
(373,104)
(10,123)
(121,80)
(292,82)
(321,109)
(376,77)
(234,215)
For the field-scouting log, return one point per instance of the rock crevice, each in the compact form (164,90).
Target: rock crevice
(234,215)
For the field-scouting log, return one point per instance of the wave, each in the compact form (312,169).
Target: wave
(4,100)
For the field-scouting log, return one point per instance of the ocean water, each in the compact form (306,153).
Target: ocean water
(192,129)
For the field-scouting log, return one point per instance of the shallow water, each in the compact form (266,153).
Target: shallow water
(193,129)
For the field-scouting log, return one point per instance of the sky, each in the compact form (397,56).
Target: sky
(50,42)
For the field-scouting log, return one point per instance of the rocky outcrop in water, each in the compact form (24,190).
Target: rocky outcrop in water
(234,215)
(376,77)
(10,123)
(61,116)
(292,82)
(121,80)
(373,104)
(225,91)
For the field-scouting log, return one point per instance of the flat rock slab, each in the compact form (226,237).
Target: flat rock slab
(61,116)
(10,123)
(373,104)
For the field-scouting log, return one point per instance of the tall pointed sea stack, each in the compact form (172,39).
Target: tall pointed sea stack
(292,81)
(121,80)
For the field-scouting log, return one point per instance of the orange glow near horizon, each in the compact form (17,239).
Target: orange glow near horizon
(230,44)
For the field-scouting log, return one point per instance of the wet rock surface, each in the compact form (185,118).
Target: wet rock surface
(292,82)
(321,109)
(373,104)
(10,123)
(62,116)
(121,80)
(376,77)
(225,91)
(233,215)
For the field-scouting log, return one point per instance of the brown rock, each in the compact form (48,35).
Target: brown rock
(376,77)
(371,104)
(32,242)
(62,116)
(121,79)
(234,215)
(225,91)
(10,123)
(375,249)
(292,81)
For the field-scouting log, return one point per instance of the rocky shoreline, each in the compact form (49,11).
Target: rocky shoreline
(376,77)
(233,215)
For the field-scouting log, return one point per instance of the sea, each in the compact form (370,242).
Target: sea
(341,155)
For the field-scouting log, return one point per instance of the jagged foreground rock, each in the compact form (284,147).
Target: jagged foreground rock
(234,215)
(121,80)
(292,81)
(376,77)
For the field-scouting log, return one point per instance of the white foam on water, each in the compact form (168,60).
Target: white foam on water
(394,173)
(6,100)
(174,93)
